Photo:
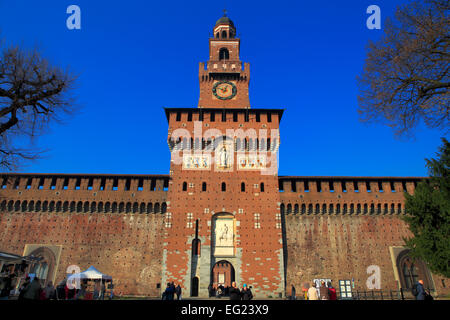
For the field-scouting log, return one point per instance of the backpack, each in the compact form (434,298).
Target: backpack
(414,290)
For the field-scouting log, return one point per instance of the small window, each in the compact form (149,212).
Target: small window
(140,185)
(189,116)
(269,117)
(115,185)
(212,116)
(204,186)
(224,186)
(224,53)
(178,116)
(368,186)
(262,187)
(102,184)
(78,184)
(90,183)
(243,187)
(185,186)
(66,184)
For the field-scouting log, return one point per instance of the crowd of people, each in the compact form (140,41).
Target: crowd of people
(172,292)
(327,292)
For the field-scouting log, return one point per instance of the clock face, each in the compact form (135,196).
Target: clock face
(224,90)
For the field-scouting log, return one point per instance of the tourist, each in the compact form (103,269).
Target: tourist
(246,293)
(97,289)
(234,292)
(420,290)
(49,291)
(293,292)
(103,290)
(331,292)
(60,290)
(33,290)
(178,292)
(312,292)
(323,291)
(23,287)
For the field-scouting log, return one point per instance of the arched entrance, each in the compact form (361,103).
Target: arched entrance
(222,274)
(194,287)
(411,270)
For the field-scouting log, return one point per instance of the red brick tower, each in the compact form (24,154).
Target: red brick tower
(223,220)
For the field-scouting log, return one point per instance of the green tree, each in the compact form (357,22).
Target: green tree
(428,215)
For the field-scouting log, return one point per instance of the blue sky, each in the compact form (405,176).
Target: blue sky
(136,57)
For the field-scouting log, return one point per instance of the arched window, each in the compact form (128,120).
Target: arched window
(331,208)
(142,208)
(149,207)
(163,207)
(296,208)
(324,208)
(224,186)
(185,186)
(282,208)
(157,208)
(411,270)
(224,54)
(135,207)
(303,208)
(242,186)
(224,34)
(289,208)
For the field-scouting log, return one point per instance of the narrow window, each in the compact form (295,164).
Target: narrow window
(204,186)
(355,186)
(306,185)
(90,183)
(224,186)
(78,184)
(235,117)
(319,186)
(242,186)
(224,116)
(258,118)
(185,186)
(368,186)
(115,184)
(189,116)
(224,53)
(102,184)
(269,117)
(380,186)
(66,184)
(212,116)
(178,116)
(262,187)
(140,184)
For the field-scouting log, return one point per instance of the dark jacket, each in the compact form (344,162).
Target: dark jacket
(420,292)
(246,294)
(235,294)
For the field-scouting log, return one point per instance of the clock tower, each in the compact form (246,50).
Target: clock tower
(223,220)
(224,79)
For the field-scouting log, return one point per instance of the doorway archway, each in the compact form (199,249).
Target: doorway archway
(194,287)
(223,274)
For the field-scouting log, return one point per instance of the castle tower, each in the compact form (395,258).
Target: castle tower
(223,198)
(224,82)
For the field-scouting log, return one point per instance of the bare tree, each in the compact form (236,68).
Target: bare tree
(406,73)
(33,94)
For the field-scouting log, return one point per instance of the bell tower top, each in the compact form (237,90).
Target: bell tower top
(224,79)
(224,28)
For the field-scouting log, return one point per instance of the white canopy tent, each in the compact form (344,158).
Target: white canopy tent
(91,274)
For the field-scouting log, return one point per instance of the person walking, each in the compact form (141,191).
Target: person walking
(331,292)
(178,292)
(60,290)
(312,292)
(103,290)
(246,293)
(49,291)
(420,290)
(293,297)
(323,291)
(234,292)
(23,287)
